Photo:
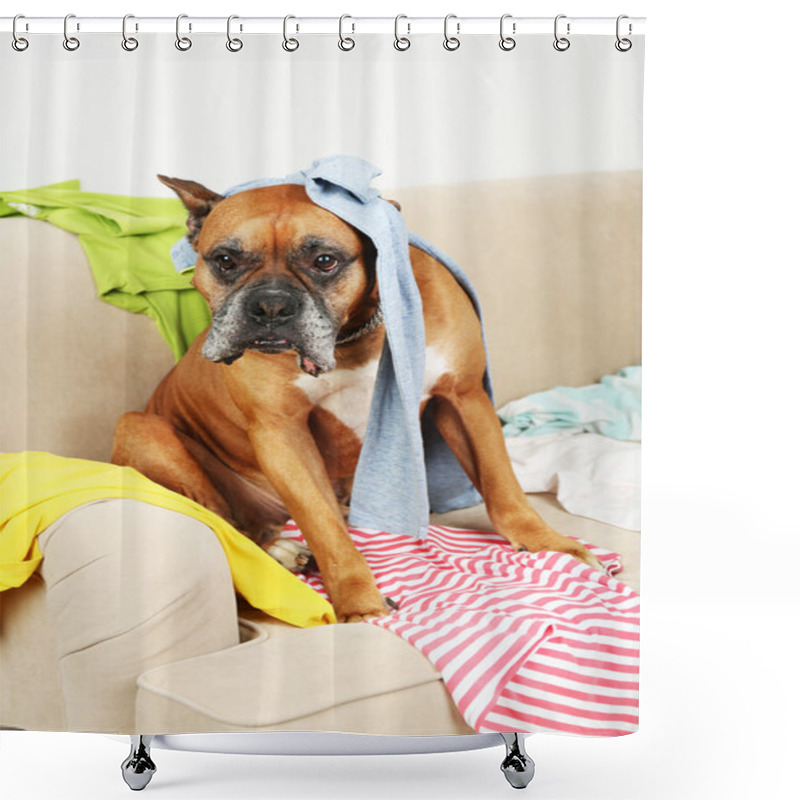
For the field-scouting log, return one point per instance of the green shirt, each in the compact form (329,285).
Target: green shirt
(127,241)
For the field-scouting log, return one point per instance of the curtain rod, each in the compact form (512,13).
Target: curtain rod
(327,25)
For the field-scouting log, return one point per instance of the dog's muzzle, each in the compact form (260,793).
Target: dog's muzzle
(273,318)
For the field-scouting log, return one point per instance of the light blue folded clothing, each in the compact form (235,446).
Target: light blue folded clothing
(405,469)
(612,408)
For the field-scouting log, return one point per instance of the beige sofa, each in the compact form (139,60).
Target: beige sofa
(118,631)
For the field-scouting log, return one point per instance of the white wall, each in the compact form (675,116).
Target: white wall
(114,119)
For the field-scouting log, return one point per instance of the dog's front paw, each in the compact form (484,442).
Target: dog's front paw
(548,539)
(358,606)
(293,555)
(363,612)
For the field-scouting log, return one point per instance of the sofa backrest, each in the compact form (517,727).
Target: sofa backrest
(555,261)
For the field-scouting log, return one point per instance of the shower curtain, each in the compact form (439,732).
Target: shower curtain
(420,265)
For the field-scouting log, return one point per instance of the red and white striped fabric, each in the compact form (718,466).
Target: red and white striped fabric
(524,641)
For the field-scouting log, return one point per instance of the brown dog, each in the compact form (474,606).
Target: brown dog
(264,416)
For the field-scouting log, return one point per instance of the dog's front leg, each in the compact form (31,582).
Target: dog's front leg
(468,422)
(290,460)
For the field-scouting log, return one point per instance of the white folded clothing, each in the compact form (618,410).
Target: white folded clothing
(592,475)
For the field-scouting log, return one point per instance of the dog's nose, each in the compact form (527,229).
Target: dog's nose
(272,306)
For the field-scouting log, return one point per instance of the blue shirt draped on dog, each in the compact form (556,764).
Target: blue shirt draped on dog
(405,469)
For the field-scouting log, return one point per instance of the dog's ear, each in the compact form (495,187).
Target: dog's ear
(198,201)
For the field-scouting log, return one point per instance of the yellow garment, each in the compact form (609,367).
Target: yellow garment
(38,488)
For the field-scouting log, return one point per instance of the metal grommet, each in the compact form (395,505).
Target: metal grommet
(182,42)
(19,43)
(451,42)
(70,42)
(234,45)
(623,44)
(561,43)
(401,42)
(289,44)
(129,43)
(507,42)
(346,43)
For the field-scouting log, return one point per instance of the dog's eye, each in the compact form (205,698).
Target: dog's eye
(224,263)
(325,263)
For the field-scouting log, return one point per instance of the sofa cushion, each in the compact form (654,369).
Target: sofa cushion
(31,694)
(70,364)
(347,678)
(555,260)
(290,679)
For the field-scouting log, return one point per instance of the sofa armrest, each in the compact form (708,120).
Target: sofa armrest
(128,587)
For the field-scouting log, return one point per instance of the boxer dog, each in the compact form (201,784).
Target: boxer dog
(264,416)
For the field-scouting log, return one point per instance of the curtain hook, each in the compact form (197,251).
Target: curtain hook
(70,42)
(346,42)
(182,42)
(561,43)
(451,42)
(290,45)
(623,45)
(18,42)
(234,45)
(129,43)
(401,42)
(507,42)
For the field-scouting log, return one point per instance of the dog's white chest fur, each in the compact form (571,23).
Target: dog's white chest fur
(347,393)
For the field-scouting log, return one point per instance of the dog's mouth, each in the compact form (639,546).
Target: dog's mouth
(270,344)
(273,345)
